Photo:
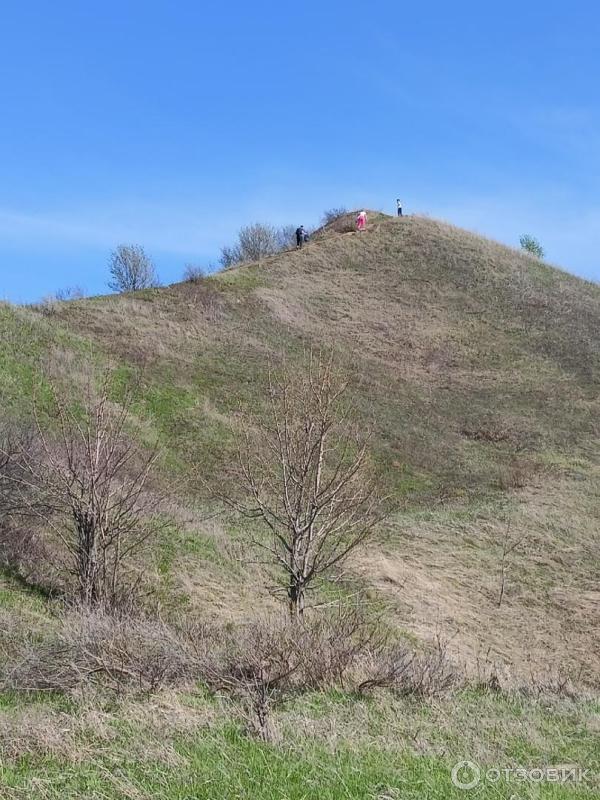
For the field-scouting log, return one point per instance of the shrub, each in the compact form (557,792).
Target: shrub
(88,483)
(96,647)
(518,473)
(70,293)
(255,242)
(265,661)
(255,664)
(193,273)
(50,304)
(430,675)
(208,300)
(286,237)
(332,215)
(22,550)
(131,269)
(531,245)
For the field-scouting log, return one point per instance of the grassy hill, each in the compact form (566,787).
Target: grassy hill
(478,368)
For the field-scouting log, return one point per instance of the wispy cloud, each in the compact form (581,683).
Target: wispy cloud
(168,229)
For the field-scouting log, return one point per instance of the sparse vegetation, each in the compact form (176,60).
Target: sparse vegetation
(51,303)
(286,237)
(333,214)
(131,269)
(256,242)
(193,273)
(88,486)
(531,245)
(70,293)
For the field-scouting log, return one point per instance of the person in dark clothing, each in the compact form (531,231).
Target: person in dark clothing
(399,207)
(301,236)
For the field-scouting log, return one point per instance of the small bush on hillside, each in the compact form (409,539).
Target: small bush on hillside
(339,220)
(258,664)
(51,303)
(95,647)
(70,293)
(131,269)
(13,473)
(263,662)
(518,473)
(193,273)
(531,245)
(255,242)
(48,305)
(87,482)
(332,215)
(286,237)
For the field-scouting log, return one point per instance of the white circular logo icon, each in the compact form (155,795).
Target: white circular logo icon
(466,775)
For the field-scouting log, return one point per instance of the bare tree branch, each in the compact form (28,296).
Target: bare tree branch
(305,474)
(87,482)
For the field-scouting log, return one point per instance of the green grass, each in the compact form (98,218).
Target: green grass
(378,760)
(241,280)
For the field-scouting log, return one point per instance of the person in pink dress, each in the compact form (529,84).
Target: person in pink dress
(361,221)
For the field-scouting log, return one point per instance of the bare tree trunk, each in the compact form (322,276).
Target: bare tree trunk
(88,559)
(296,595)
(307,476)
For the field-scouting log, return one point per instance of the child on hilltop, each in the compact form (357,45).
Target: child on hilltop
(361,221)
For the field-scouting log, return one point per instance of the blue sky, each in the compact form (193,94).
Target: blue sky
(171,124)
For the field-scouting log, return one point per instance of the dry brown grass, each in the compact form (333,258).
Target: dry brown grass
(447,573)
(479,368)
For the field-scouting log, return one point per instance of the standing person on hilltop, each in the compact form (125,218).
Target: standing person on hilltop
(361,221)
(399,207)
(300,236)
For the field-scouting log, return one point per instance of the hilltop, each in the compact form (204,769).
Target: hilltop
(477,368)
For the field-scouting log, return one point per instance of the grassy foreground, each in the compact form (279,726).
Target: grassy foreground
(332,746)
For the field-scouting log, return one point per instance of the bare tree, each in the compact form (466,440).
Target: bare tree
(286,237)
(306,475)
(333,214)
(257,241)
(131,269)
(193,273)
(87,483)
(254,243)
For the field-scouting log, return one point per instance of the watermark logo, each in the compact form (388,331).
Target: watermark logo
(467,774)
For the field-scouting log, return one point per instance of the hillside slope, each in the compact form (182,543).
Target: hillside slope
(478,368)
